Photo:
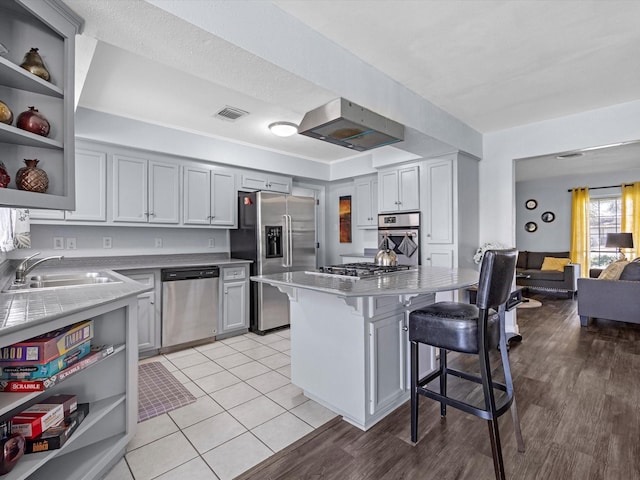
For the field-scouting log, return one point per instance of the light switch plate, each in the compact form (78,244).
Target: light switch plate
(58,243)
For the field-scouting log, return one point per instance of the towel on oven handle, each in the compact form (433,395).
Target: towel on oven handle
(407,247)
(386,243)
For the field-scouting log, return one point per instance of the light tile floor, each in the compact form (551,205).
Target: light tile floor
(247,409)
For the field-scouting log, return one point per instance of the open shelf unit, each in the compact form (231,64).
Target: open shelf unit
(51,27)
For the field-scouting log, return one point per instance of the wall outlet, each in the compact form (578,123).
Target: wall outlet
(71,243)
(58,243)
(106,242)
(212,242)
(158,242)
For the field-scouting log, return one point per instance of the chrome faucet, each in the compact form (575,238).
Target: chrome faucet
(23,269)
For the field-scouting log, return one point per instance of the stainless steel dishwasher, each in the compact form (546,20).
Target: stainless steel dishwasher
(190,305)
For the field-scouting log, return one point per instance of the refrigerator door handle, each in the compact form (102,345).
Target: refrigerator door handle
(286,239)
(290,241)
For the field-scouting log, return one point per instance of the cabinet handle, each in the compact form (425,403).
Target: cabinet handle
(146,214)
(152,214)
(428,235)
(405,328)
(151,303)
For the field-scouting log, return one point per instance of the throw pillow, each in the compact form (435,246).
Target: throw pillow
(555,264)
(613,271)
(631,272)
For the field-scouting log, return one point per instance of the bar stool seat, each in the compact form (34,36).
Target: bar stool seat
(470,329)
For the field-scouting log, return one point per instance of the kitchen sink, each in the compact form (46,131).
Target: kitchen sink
(47,282)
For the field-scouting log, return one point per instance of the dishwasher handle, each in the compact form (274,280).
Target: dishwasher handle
(176,274)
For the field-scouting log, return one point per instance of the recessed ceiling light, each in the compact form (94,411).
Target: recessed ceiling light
(283,129)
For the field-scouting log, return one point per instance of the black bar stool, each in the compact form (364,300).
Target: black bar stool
(471,329)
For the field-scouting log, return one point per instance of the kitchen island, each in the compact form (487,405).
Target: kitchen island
(349,343)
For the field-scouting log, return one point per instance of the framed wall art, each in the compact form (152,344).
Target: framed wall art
(344,211)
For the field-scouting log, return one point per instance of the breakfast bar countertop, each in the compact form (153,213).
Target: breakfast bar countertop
(410,282)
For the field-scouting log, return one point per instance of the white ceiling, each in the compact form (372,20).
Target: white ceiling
(492,64)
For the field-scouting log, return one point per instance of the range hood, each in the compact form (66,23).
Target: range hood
(345,123)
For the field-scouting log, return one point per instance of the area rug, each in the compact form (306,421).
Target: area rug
(159,391)
(529,303)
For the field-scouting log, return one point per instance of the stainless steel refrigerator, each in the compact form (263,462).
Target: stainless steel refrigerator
(277,232)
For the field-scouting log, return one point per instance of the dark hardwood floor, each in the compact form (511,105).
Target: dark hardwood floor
(578,394)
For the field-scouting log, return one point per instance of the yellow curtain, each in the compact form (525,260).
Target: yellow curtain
(631,216)
(580,229)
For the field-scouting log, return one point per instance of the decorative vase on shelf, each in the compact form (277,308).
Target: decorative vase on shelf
(5,179)
(33,62)
(33,121)
(6,115)
(32,178)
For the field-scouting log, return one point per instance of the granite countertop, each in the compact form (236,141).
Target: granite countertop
(411,282)
(20,309)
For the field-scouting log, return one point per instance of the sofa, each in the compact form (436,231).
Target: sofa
(611,299)
(531,276)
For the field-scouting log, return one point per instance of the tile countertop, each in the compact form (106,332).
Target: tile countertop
(20,309)
(411,282)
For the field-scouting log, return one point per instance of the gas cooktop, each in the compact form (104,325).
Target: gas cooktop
(358,270)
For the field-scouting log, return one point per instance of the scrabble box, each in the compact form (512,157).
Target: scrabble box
(45,348)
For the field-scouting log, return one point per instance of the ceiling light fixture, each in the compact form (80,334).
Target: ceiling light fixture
(283,129)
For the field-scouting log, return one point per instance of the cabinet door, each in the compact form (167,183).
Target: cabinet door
(223,198)
(439,218)
(197,200)
(364,217)
(254,181)
(408,189)
(234,311)
(91,187)
(164,195)
(388,191)
(130,189)
(148,320)
(440,257)
(387,346)
(279,184)
(37,214)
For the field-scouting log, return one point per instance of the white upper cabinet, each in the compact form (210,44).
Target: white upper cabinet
(266,182)
(439,211)
(91,187)
(399,189)
(209,197)
(145,191)
(51,27)
(366,202)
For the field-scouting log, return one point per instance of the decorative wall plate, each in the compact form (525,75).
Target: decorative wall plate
(548,217)
(531,204)
(531,227)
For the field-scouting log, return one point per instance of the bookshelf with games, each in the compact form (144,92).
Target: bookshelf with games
(108,385)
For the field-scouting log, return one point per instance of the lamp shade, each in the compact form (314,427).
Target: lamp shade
(620,240)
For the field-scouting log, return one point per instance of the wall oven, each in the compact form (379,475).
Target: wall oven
(401,231)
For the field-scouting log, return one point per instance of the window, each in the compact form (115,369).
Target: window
(604,217)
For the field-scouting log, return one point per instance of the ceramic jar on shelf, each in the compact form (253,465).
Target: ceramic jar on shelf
(5,179)
(33,121)
(33,62)
(32,178)
(6,115)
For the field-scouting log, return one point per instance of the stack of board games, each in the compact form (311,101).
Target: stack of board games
(45,414)
(30,365)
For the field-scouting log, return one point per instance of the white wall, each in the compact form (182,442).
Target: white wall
(361,238)
(552,195)
(606,126)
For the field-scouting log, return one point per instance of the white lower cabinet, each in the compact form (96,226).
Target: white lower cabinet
(234,318)
(110,386)
(388,350)
(148,312)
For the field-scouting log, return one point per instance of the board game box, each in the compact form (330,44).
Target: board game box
(47,347)
(33,371)
(56,436)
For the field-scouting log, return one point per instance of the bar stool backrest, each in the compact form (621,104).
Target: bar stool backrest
(496,277)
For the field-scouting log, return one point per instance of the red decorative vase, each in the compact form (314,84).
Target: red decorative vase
(4,176)
(32,178)
(34,122)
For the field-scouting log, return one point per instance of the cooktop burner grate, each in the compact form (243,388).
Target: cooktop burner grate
(359,270)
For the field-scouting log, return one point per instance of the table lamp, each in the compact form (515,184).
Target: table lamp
(620,241)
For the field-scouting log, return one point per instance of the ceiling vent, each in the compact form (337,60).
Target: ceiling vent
(230,114)
(569,155)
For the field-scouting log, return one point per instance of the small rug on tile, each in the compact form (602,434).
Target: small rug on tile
(159,392)
(530,303)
